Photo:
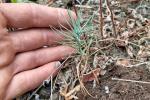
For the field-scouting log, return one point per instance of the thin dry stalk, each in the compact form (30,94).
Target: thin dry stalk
(50,2)
(127,80)
(80,81)
(76,89)
(139,64)
(112,17)
(114,39)
(101,19)
(75,8)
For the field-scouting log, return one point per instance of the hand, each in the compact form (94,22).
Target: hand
(24,63)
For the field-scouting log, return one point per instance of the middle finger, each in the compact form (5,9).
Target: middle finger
(31,39)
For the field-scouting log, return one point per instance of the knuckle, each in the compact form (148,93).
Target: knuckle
(35,18)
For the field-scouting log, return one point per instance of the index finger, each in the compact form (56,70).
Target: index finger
(26,15)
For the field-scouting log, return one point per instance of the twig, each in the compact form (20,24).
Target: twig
(126,80)
(50,2)
(51,97)
(74,7)
(33,93)
(139,64)
(102,48)
(101,18)
(114,39)
(83,88)
(112,17)
(128,42)
(76,89)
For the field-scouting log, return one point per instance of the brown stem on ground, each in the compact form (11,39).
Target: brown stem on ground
(112,17)
(101,19)
(74,7)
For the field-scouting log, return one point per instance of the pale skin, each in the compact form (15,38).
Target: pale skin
(24,63)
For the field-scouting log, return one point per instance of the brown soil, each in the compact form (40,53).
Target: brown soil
(119,90)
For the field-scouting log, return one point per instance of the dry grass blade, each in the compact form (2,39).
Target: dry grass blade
(101,18)
(76,89)
(80,80)
(70,95)
(112,17)
(126,80)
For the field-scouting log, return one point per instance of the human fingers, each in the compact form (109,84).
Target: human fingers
(32,39)
(28,80)
(25,15)
(32,59)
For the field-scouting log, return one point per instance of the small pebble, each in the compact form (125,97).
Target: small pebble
(106,89)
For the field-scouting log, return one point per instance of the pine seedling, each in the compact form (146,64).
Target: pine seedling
(80,37)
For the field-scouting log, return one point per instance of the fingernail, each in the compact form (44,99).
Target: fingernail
(57,64)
